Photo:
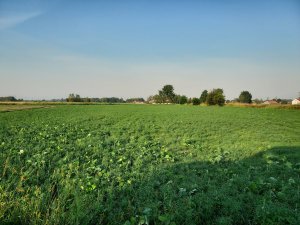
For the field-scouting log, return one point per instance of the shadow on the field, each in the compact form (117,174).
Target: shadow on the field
(263,189)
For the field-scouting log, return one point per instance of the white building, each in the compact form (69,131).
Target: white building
(296,101)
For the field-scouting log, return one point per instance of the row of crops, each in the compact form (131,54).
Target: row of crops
(149,164)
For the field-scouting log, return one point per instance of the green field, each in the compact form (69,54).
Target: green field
(150,164)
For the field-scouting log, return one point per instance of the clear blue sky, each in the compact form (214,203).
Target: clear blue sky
(131,48)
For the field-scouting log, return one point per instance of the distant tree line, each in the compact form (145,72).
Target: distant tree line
(77,98)
(9,99)
(135,100)
(74,98)
(167,96)
(246,97)
(213,97)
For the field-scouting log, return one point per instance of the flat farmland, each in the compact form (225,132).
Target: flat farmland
(150,164)
(10,107)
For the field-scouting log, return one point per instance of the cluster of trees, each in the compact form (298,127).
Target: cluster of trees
(109,100)
(134,100)
(177,99)
(214,97)
(246,97)
(77,98)
(74,98)
(9,99)
(167,95)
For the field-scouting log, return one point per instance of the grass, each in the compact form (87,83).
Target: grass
(150,164)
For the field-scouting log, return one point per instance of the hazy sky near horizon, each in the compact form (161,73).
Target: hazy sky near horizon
(131,48)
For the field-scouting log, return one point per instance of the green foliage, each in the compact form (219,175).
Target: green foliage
(196,101)
(181,99)
(149,164)
(167,94)
(111,100)
(74,98)
(215,97)
(158,99)
(77,98)
(8,99)
(203,96)
(133,100)
(86,99)
(245,97)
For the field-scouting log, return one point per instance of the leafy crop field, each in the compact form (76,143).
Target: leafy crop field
(150,164)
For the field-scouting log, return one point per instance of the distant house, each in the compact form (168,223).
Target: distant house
(296,101)
(270,102)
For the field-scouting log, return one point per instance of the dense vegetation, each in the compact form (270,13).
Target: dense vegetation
(245,97)
(77,98)
(215,97)
(133,100)
(9,99)
(149,164)
(167,95)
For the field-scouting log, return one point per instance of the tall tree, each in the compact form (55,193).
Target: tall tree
(167,93)
(203,96)
(245,97)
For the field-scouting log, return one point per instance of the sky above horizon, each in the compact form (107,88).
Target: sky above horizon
(132,48)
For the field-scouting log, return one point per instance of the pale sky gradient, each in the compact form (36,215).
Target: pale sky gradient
(49,49)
